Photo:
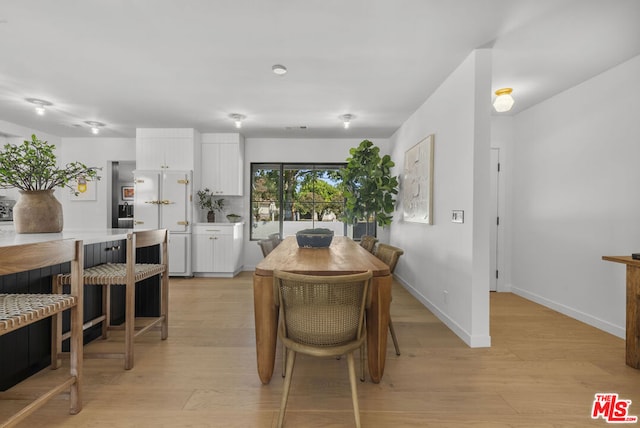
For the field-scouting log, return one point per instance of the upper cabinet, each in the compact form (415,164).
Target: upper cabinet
(167,148)
(222,163)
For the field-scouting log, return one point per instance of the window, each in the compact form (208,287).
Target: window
(286,198)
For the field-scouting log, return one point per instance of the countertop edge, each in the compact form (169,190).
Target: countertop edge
(9,238)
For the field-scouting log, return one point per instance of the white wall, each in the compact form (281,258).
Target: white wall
(447,256)
(99,152)
(292,150)
(576,198)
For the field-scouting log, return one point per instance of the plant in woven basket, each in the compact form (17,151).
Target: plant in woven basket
(368,186)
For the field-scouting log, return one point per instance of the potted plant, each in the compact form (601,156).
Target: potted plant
(207,201)
(32,169)
(368,186)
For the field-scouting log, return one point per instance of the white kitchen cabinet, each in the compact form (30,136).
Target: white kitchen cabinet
(217,249)
(222,163)
(167,148)
(179,249)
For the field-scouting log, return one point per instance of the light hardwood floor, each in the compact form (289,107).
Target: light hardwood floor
(542,371)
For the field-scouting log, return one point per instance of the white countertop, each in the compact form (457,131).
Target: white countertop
(8,238)
(226,223)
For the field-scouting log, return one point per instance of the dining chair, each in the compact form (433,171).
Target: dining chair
(390,255)
(266,245)
(368,242)
(321,316)
(275,237)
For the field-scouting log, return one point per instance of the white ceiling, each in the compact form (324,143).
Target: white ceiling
(191,63)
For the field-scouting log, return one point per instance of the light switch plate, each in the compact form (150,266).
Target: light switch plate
(457,216)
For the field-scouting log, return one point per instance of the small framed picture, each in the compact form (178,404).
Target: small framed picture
(127,193)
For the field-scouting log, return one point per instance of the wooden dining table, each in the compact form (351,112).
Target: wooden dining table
(342,257)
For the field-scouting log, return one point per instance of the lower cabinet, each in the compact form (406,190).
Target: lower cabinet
(217,249)
(179,254)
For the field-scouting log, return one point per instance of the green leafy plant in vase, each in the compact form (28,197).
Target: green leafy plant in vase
(207,201)
(31,168)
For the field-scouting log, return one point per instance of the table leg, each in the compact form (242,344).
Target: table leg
(633,313)
(377,325)
(266,320)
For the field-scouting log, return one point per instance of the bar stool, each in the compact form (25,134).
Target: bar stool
(21,310)
(127,274)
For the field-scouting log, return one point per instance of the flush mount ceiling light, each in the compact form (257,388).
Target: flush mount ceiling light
(40,105)
(238,118)
(279,69)
(95,126)
(504,100)
(346,120)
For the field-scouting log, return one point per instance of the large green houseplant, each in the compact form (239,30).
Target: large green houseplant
(31,168)
(368,186)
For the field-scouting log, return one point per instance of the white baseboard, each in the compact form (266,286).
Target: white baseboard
(571,312)
(470,340)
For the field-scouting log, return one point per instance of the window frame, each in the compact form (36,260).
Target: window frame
(282,166)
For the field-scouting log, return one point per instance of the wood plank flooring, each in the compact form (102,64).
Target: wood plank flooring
(542,371)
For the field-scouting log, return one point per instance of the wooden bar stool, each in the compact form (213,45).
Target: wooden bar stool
(127,274)
(20,310)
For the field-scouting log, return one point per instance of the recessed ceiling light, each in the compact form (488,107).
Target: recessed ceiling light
(279,69)
(95,126)
(40,104)
(238,118)
(346,120)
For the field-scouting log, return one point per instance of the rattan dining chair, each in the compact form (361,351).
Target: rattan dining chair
(390,255)
(275,237)
(322,316)
(266,245)
(368,242)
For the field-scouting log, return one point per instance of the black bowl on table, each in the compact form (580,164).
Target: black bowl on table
(314,238)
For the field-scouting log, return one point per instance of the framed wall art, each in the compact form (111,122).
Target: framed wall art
(417,182)
(127,193)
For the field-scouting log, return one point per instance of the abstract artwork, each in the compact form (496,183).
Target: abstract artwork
(417,182)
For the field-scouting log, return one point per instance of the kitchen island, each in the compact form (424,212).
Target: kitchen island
(28,350)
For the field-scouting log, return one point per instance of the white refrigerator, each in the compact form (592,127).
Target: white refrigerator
(163,201)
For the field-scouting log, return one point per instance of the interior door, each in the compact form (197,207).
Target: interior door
(495,219)
(175,201)
(146,199)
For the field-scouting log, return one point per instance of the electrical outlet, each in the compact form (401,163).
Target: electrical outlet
(457,216)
